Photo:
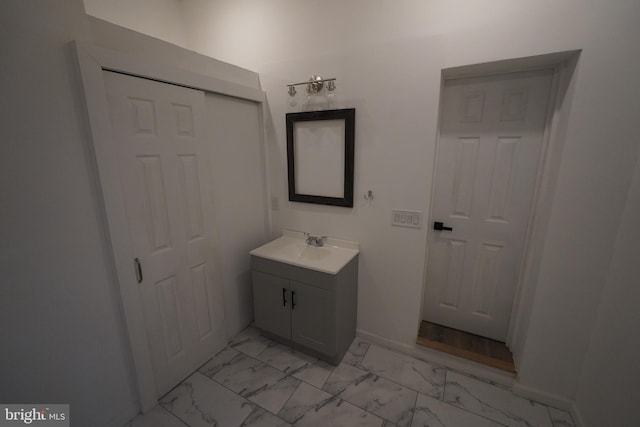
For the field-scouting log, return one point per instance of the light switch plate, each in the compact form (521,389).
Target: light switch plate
(405,218)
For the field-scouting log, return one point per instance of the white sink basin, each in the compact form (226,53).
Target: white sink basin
(292,249)
(302,251)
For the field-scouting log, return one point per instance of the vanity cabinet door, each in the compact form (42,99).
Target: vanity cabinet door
(271,304)
(313,317)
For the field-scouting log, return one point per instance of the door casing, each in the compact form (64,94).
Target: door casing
(91,61)
(564,65)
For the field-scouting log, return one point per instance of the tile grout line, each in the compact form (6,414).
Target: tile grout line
(173,415)
(287,373)
(476,414)
(472,412)
(413,411)
(550,417)
(257,406)
(359,366)
(386,379)
(287,401)
(444,386)
(233,392)
(360,407)
(393,381)
(277,369)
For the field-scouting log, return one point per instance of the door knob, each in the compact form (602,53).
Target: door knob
(437,225)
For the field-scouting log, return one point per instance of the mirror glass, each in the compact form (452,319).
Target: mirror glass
(320,154)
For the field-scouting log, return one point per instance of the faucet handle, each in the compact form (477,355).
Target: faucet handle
(314,240)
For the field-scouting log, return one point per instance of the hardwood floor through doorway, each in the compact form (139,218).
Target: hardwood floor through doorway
(468,346)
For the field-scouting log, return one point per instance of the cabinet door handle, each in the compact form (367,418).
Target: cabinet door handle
(293,300)
(284,297)
(138,270)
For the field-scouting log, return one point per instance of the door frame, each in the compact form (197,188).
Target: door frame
(91,61)
(563,65)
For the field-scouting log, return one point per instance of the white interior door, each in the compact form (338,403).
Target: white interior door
(159,137)
(491,135)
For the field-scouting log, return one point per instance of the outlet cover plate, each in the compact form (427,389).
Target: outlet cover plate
(406,218)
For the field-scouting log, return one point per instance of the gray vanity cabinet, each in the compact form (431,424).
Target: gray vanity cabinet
(312,314)
(273,314)
(312,311)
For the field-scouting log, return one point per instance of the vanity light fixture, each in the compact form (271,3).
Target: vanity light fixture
(315,86)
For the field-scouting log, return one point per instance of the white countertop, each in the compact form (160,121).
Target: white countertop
(292,249)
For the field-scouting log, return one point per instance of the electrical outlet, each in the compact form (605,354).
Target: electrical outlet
(405,218)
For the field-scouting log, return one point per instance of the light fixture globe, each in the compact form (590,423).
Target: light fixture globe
(315,85)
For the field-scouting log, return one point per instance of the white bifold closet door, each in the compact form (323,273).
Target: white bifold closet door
(159,134)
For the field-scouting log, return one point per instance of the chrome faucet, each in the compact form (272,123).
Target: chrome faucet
(315,240)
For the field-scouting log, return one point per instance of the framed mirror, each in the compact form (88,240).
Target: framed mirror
(320,154)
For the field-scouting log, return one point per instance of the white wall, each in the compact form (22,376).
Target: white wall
(63,338)
(608,388)
(62,331)
(388,58)
(162,19)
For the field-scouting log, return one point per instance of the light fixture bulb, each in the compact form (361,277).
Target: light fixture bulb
(331,88)
(293,102)
(315,85)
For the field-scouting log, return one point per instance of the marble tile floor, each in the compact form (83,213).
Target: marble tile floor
(255,382)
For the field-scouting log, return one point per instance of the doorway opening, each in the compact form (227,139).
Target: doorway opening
(500,129)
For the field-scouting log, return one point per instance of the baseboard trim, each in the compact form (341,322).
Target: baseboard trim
(550,399)
(477,370)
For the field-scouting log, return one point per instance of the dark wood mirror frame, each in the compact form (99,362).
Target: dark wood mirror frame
(348,115)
